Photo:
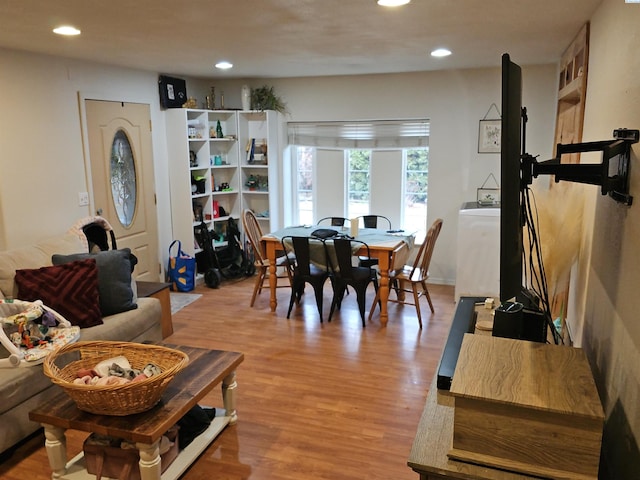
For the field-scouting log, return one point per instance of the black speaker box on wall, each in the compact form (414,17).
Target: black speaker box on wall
(173,92)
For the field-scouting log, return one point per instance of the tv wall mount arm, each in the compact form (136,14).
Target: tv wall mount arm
(614,183)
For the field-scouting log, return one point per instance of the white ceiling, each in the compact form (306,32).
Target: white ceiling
(292,38)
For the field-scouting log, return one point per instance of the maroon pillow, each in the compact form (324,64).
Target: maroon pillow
(71,289)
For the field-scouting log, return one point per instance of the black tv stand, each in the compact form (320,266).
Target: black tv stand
(616,185)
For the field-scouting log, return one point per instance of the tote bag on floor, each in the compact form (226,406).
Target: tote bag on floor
(181,269)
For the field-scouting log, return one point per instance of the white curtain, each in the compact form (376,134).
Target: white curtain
(363,134)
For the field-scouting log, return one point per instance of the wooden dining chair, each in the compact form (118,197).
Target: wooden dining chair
(412,278)
(333,221)
(304,270)
(254,233)
(342,272)
(373,221)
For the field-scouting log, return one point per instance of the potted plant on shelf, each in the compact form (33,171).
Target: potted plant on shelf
(252,183)
(265,98)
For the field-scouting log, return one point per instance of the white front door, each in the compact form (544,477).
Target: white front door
(122,176)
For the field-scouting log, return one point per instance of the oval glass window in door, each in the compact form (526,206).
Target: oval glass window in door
(123,178)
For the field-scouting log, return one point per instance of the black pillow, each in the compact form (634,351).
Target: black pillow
(114,278)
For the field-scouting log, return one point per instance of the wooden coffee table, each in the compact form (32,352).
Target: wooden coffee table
(206,369)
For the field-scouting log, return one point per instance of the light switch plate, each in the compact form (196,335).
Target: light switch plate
(83,199)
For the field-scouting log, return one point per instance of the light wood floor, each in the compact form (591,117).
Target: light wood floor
(315,401)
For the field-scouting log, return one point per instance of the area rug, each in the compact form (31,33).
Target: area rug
(181,300)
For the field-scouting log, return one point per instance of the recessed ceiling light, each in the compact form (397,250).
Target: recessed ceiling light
(224,65)
(441,52)
(393,3)
(66,30)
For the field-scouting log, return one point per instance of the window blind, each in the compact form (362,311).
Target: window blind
(366,134)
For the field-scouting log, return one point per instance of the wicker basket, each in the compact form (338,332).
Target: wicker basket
(119,400)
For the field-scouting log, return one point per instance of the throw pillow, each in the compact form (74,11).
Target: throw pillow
(114,278)
(70,289)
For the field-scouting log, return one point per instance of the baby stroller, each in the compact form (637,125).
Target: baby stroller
(225,262)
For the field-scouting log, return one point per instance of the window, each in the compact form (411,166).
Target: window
(416,180)
(123,178)
(305,157)
(385,170)
(358,193)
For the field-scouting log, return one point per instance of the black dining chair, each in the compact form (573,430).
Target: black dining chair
(333,221)
(303,270)
(372,221)
(340,254)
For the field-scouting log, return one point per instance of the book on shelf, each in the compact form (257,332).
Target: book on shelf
(251,145)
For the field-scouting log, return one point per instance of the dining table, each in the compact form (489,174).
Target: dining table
(381,244)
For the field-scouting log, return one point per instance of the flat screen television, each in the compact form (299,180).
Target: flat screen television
(511,150)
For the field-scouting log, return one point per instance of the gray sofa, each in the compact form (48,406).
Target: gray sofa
(24,388)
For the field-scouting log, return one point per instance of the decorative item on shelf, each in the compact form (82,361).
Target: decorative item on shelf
(219,133)
(217,160)
(264,98)
(260,152)
(197,212)
(198,184)
(489,197)
(210,103)
(252,182)
(245,96)
(216,209)
(489,132)
(222,100)
(190,103)
(193,159)
(263,182)
(212,97)
(224,187)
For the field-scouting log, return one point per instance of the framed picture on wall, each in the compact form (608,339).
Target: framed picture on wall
(173,91)
(489,136)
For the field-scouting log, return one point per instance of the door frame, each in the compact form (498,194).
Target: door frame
(160,170)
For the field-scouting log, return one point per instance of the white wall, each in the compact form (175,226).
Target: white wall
(42,152)
(454,101)
(608,273)
(42,165)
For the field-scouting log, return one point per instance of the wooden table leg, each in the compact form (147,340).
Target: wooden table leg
(150,462)
(229,386)
(56,445)
(383,288)
(270,248)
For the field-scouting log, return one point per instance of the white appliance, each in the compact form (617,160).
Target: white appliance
(478,266)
